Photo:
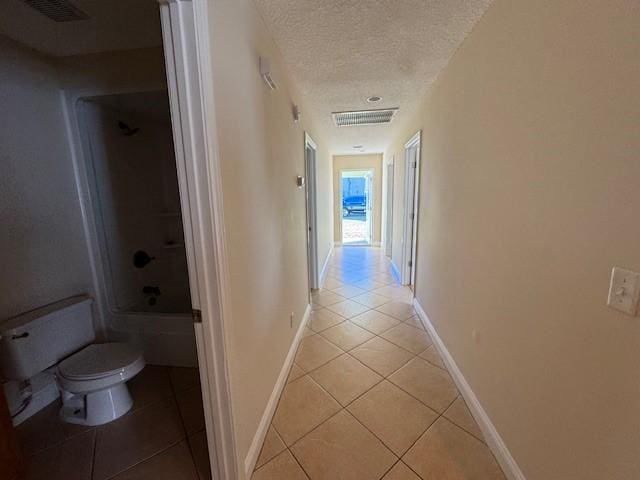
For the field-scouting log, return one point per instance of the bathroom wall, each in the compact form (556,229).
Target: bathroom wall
(136,199)
(106,73)
(109,73)
(42,243)
(165,338)
(44,249)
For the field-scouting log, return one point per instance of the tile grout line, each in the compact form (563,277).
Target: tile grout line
(93,454)
(56,444)
(175,398)
(368,340)
(345,408)
(146,459)
(257,467)
(297,461)
(422,435)
(97,429)
(184,427)
(383,377)
(367,391)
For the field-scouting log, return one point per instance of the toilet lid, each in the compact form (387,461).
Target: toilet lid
(99,360)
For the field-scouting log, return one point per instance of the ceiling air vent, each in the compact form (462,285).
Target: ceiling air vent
(57,10)
(363,117)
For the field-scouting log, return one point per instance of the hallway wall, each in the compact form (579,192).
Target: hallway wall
(354,162)
(261,151)
(324,204)
(529,196)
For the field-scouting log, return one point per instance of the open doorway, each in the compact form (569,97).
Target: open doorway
(123,203)
(356,194)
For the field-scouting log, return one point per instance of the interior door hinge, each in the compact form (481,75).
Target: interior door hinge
(414,164)
(410,263)
(196,315)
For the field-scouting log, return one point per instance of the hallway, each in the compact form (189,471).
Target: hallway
(368,396)
(399,239)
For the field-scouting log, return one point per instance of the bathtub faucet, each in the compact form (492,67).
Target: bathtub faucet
(148,290)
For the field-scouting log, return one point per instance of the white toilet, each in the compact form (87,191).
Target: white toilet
(58,339)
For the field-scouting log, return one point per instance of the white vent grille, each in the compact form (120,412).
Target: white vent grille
(57,10)
(364,117)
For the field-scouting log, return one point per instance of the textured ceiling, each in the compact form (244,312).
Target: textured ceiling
(339,52)
(112,25)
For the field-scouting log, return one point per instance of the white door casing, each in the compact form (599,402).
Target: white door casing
(185,32)
(389,211)
(410,221)
(369,207)
(310,150)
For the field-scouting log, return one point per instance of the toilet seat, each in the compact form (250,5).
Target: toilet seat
(99,366)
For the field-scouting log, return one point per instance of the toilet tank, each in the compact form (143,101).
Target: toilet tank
(36,340)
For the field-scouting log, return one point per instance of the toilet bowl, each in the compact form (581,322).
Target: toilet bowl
(59,339)
(93,383)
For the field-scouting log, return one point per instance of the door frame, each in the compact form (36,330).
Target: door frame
(388,233)
(411,204)
(371,202)
(368,214)
(186,42)
(310,165)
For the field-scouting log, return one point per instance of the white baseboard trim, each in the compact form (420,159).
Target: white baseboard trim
(376,244)
(323,272)
(493,438)
(258,439)
(396,272)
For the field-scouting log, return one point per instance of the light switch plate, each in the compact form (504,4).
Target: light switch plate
(624,290)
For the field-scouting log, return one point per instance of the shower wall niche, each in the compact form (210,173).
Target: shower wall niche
(133,186)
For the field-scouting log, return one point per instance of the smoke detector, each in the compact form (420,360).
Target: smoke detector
(363,117)
(57,10)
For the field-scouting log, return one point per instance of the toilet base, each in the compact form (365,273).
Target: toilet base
(96,408)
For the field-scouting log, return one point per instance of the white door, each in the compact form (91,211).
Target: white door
(368,193)
(388,240)
(312,221)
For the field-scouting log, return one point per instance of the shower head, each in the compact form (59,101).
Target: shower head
(126,129)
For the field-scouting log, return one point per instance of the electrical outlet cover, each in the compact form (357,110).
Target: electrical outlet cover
(624,290)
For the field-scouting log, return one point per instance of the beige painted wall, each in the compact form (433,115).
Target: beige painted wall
(530,193)
(324,204)
(42,245)
(356,162)
(261,152)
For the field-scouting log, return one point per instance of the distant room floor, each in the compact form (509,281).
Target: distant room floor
(354,230)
